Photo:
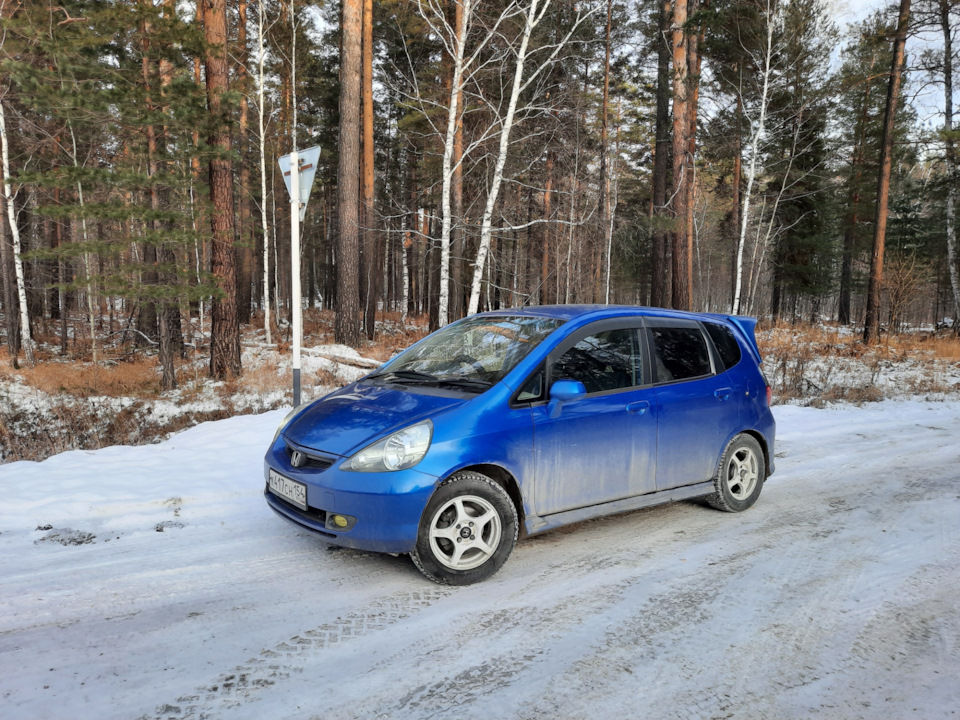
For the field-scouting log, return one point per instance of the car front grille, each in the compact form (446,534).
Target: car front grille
(310,461)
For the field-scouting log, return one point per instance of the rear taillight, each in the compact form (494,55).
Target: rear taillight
(769,395)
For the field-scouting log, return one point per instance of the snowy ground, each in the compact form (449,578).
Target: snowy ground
(153,582)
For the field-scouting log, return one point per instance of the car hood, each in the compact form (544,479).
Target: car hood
(349,419)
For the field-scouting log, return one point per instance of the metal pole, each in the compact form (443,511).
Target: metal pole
(295,271)
(295,216)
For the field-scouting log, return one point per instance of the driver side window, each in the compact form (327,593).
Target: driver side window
(605,361)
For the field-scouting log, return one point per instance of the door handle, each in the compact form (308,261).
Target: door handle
(639,407)
(722,393)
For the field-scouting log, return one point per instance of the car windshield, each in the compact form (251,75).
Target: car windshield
(472,354)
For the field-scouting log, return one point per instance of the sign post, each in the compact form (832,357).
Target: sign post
(299,169)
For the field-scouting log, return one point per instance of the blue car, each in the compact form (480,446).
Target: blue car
(523,420)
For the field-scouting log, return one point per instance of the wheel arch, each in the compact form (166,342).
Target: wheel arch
(762,442)
(505,479)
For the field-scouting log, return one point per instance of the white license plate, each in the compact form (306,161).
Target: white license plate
(290,490)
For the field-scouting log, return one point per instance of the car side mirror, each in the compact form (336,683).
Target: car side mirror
(567,390)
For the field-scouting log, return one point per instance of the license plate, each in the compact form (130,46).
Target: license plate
(290,490)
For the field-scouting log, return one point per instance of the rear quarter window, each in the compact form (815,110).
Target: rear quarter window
(725,342)
(680,353)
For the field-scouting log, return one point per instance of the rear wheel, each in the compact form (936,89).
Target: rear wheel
(467,530)
(740,475)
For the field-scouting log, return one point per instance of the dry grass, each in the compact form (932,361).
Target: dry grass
(137,377)
(828,364)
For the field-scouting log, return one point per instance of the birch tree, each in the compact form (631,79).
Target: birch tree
(532,14)
(262,143)
(950,154)
(757,124)
(26,339)
(453,37)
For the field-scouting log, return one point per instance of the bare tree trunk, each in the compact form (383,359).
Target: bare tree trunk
(224,330)
(850,232)
(262,142)
(247,240)
(756,137)
(735,192)
(659,267)
(10,296)
(950,157)
(371,239)
(61,279)
(547,296)
(871,330)
(168,379)
(26,339)
(347,327)
(457,239)
(462,17)
(605,214)
(680,291)
(693,98)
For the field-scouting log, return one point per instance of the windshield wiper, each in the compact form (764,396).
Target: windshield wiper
(405,376)
(465,382)
(414,377)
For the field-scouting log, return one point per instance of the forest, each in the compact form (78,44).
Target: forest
(734,156)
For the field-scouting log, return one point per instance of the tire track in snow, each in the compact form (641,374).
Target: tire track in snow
(456,682)
(241,684)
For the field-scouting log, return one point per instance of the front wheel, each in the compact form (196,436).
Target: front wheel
(467,530)
(740,475)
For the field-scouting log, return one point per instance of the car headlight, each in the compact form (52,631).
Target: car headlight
(283,423)
(402,450)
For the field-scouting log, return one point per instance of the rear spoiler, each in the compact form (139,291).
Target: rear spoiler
(746,326)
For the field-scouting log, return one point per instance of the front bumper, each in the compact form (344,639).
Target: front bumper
(387,506)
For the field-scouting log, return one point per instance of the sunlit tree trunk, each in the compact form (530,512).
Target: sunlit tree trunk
(224,331)
(680,290)
(871,330)
(347,326)
(370,234)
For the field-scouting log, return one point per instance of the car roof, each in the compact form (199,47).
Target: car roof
(571,312)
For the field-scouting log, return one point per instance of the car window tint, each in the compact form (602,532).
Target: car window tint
(725,342)
(605,361)
(680,353)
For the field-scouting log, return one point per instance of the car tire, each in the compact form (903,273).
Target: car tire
(740,475)
(467,530)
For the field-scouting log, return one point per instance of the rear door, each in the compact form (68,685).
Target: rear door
(697,407)
(601,447)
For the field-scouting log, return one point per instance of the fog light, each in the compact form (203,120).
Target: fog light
(340,523)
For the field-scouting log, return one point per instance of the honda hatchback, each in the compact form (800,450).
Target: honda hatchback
(520,421)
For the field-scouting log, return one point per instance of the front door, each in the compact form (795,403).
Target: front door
(603,446)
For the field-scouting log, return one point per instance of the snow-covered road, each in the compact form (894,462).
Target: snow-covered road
(153,582)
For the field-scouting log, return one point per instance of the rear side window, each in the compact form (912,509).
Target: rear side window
(680,353)
(605,361)
(725,342)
